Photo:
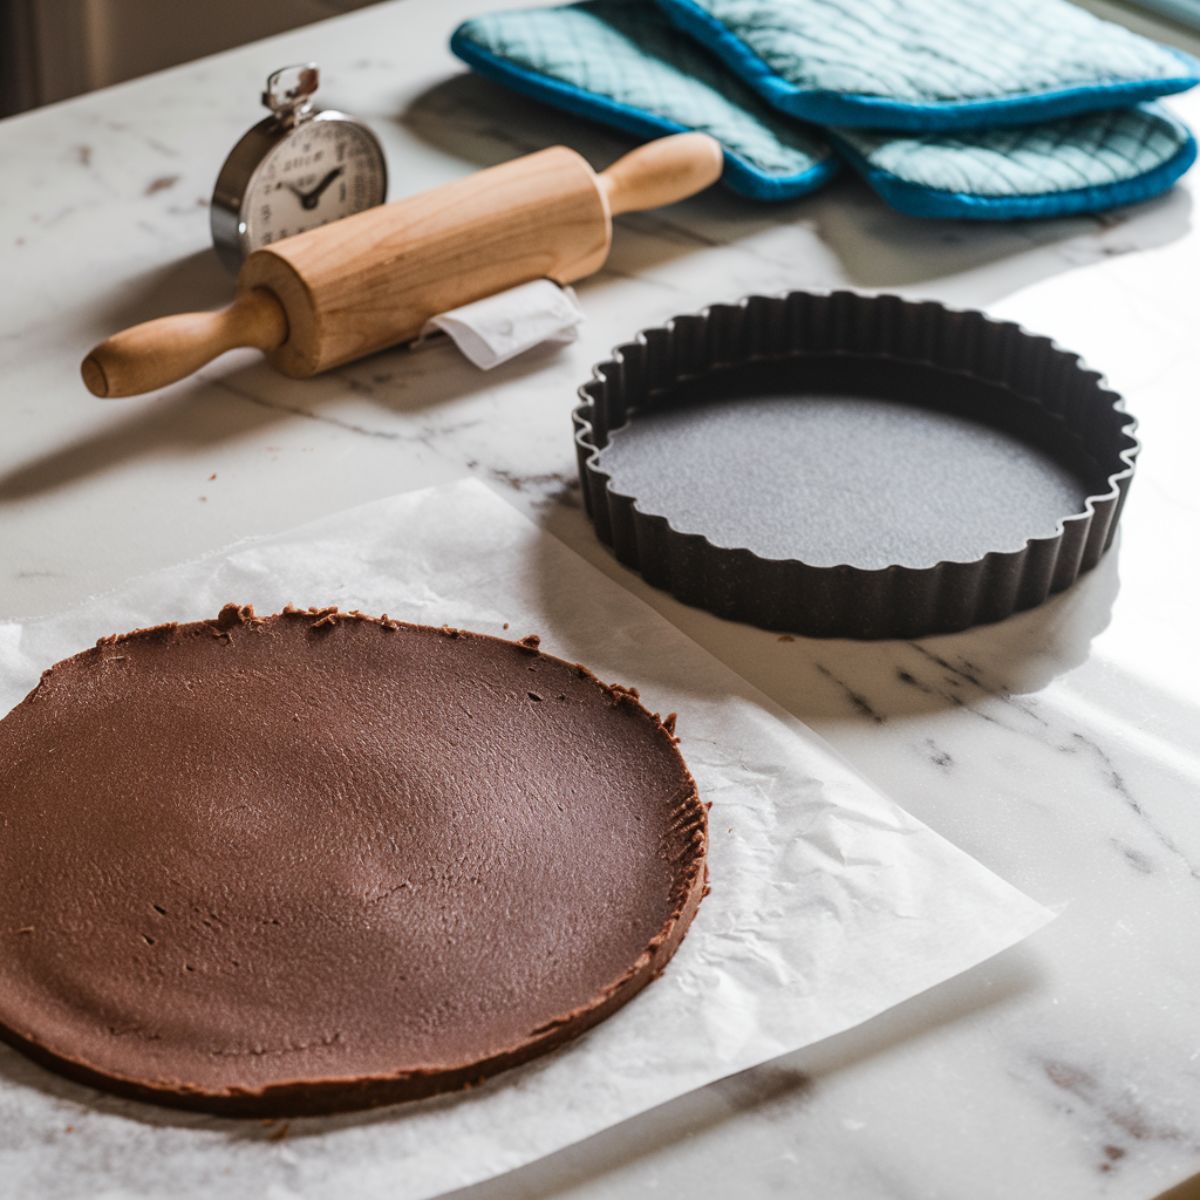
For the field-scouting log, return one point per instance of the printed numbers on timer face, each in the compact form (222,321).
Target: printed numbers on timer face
(325,171)
(296,169)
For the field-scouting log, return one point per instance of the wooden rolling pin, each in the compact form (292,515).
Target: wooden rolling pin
(372,280)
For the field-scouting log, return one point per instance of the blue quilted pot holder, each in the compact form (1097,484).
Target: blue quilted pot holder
(1074,165)
(624,65)
(922,65)
(620,62)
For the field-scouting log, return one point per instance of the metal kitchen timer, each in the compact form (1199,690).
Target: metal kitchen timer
(295,170)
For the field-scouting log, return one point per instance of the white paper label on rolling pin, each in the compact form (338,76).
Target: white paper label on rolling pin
(491,331)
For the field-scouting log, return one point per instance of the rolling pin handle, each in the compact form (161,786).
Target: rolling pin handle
(163,351)
(662,171)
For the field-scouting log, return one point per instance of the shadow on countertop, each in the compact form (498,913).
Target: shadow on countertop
(241,395)
(872,682)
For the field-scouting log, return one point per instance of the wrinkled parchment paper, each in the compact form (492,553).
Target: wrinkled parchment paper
(490,331)
(829,904)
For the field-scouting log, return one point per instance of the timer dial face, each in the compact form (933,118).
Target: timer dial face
(325,169)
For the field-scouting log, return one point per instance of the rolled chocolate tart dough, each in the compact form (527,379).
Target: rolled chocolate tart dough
(321,861)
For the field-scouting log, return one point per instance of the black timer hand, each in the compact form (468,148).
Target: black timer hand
(313,198)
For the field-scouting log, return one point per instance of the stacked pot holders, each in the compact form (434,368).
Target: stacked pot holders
(947,108)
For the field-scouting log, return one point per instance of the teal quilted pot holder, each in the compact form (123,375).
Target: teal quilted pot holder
(1057,168)
(923,65)
(626,66)
(622,63)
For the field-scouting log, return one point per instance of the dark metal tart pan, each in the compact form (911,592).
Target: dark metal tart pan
(843,465)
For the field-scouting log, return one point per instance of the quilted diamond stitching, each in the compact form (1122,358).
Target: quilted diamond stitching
(621,50)
(631,54)
(1088,151)
(940,51)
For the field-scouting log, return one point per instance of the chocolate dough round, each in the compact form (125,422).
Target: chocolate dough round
(320,861)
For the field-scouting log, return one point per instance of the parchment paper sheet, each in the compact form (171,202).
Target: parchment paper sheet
(493,330)
(829,904)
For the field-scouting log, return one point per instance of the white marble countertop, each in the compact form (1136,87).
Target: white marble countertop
(1059,747)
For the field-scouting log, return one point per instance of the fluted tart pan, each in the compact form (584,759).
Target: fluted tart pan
(844,465)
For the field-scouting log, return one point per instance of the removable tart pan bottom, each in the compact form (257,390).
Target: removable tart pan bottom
(853,466)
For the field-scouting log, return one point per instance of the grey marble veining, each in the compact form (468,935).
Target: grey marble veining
(1059,747)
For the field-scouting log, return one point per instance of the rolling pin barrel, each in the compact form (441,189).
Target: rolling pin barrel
(372,280)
